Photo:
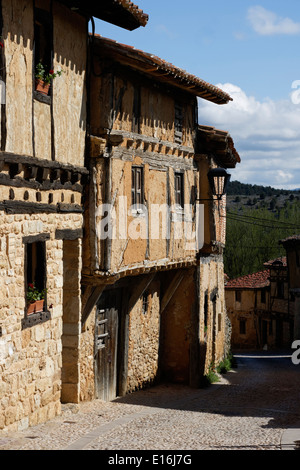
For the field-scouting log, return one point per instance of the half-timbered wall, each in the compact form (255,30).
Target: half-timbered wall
(133,125)
(51,128)
(42,177)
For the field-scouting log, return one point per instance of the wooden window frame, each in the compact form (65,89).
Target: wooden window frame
(137,187)
(280,289)
(40,243)
(43,44)
(243,326)
(178,123)
(179,189)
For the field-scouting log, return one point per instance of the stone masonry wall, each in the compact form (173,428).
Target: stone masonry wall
(144,330)
(213,328)
(30,358)
(87,365)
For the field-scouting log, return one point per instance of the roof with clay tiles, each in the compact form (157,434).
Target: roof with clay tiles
(277,262)
(218,142)
(134,10)
(257,280)
(122,13)
(160,69)
(291,240)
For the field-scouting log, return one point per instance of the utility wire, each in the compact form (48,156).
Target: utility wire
(260,219)
(262,224)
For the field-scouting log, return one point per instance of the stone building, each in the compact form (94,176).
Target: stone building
(247,303)
(282,304)
(292,247)
(153,292)
(42,178)
(261,308)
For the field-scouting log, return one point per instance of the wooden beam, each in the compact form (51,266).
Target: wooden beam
(140,289)
(92,295)
(68,234)
(170,291)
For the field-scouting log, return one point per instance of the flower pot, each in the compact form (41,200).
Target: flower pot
(35,307)
(42,87)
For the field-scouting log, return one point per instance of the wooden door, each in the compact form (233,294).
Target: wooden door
(106,344)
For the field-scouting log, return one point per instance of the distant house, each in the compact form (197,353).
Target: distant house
(292,247)
(281,305)
(261,308)
(247,303)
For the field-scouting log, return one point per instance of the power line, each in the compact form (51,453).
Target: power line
(283,226)
(261,219)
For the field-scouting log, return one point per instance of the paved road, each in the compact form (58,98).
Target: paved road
(256,406)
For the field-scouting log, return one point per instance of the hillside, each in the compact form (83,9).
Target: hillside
(236,188)
(256,221)
(240,195)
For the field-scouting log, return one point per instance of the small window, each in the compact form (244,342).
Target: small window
(145,305)
(263,296)
(43,49)
(242,327)
(178,124)
(280,290)
(238,296)
(137,191)
(179,189)
(36,273)
(35,280)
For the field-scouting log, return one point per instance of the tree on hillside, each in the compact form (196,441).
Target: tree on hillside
(253,237)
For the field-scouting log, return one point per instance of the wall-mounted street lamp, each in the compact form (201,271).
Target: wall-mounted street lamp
(218,179)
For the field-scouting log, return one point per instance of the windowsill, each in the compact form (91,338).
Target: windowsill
(178,213)
(138,213)
(41,98)
(35,319)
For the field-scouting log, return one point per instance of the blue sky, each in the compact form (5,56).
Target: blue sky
(252,51)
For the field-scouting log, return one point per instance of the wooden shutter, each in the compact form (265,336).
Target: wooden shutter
(179,198)
(137,185)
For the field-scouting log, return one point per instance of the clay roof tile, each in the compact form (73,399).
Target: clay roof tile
(162,70)
(250,281)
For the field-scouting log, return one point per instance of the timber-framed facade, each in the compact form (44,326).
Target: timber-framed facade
(148,152)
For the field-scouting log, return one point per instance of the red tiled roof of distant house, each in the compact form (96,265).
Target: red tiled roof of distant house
(277,262)
(291,239)
(250,281)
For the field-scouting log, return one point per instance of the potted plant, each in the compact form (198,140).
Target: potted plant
(35,299)
(43,78)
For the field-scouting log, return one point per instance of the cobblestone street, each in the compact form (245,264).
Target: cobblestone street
(253,407)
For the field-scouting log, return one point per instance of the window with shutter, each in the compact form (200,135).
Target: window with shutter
(137,195)
(178,124)
(179,189)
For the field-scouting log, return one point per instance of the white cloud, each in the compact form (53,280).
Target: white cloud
(162,29)
(267,23)
(266,135)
